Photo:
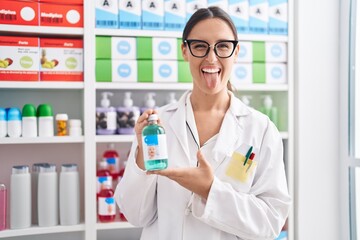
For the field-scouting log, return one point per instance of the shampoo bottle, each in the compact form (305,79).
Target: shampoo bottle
(14,122)
(34,191)
(127,115)
(20,197)
(269,110)
(29,121)
(105,116)
(154,145)
(149,102)
(3,123)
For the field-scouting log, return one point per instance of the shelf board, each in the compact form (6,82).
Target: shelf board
(114,225)
(41,30)
(261,87)
(144,86)
(41,85)
(177,34)
(41,230)
(37,140)
(114,138)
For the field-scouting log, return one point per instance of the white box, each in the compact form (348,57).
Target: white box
(175,14)
(106,13)
(130,14)
(276,73)
(258,16)
(123,48)
(278,17)
(242,74)
(246,52)
(193,5)
(152,14)
(239,13)
(276,52)
(165,71)
(124,70)
(164,48)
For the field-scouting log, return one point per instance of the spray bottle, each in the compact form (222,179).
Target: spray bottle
(127,115)
(105,116)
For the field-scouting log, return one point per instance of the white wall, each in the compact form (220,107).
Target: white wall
(317,120)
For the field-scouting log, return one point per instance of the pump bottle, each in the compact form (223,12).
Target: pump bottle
(246,99)
(127,115)
(171,98)
(269,110)
(154,145)
(105,116)
(149,102)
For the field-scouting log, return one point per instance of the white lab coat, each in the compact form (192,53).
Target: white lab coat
(256,209)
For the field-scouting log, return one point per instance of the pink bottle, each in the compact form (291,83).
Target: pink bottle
(2,207)
(106,204)
(103,177)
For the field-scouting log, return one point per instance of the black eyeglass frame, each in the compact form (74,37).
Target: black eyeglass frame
(189,41)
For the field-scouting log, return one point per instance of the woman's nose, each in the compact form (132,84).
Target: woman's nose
(211,57)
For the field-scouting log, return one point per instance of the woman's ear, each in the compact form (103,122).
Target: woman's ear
(184,52)
(236,53)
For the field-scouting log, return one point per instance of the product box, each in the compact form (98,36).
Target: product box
(152,14)
(242,73)
(165,71)
(258,16)
(239,13)
(106,13)
(193,5)
(175,14)
(270,73)
(107,70)
(19,58)
(19,12)
(218,3)
(61,59)
(119,48)
(144,48)
(71,2)
(61,15)
(269,52)
(130,14)
(145,71)
(278,17)
(165,48)
(246,52)
(184,74)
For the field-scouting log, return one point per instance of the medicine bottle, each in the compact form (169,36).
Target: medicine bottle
(106,204)
(103,177)
(46,120)
(75,127)
(29,121)
(3,196)
(3,123)
(61,124)
(14,122)
(154,145)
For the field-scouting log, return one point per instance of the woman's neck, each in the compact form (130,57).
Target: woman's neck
(210,102)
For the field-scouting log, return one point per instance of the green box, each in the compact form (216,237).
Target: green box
(144,48)
(259,73)
(103,47)
(259,52)
(184,73)
(145,71)
(103,70)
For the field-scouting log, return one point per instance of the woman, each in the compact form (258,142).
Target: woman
(226,177)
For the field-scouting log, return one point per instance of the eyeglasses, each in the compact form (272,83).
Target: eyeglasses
(200,48)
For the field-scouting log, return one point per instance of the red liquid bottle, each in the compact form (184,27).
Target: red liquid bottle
(106,205)
(111,156)
(103,177)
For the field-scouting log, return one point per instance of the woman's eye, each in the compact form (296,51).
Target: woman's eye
(223,46)
(199,46)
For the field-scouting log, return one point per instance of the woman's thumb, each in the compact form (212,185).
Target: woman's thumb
(201,159)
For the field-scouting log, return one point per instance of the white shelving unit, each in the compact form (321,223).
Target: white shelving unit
(84,150)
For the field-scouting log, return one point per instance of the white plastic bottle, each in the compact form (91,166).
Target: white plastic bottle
(149,102)
(69,195)
(34,191)
(48,196)
(46,120)
(246,99)
(3,123)
(14,123)
(269,110)
(105,116)
(29,121)
(75,128)
(127,115)
(20,197)
(171,98)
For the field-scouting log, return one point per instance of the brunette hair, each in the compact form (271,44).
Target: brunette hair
(208,13)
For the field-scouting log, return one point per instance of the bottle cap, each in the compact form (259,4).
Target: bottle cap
(20,169)
(2,187)
(36,167)
(29,110)
(153,117)
(75,123)
(44,110)
(3,116)
(14,114)
(105,102)
(61,117)
(48,168)
(69,167)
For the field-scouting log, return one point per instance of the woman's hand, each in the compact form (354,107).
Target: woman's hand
(139,125)
(196,179)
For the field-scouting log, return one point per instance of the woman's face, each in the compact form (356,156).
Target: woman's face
(210,73)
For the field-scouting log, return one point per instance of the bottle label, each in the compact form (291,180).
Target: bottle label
(107,206)
(155,147)
(113,164)
(102,182)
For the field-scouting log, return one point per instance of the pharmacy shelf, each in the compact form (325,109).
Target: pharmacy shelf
(23,29)
(149,33)
(41,85)
(185,86)
(130,138)
(41,230)
(114,225)
(42,140)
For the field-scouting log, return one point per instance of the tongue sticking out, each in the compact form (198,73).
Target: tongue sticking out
(212,79)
